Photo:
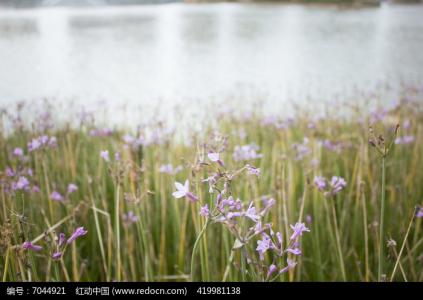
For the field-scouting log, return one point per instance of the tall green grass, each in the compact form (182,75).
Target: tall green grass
(347,240)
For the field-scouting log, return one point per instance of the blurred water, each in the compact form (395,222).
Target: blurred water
(190,56)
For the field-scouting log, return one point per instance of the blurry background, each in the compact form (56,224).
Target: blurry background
(197,56)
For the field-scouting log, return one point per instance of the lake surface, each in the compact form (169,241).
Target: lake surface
(193,56)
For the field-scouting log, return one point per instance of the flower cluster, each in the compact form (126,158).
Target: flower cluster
(334,146)
(169,169)
(330,188)
(56,196)
(404,140)
(301,150)
(19,180)
(101,132)
(230,212)
(60,245)
(42,142)
(246,152)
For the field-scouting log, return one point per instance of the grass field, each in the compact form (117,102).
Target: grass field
(256,199)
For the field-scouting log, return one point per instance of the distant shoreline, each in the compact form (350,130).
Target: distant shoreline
(28,4)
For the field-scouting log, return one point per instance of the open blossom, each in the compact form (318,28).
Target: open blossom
(215,157)
(320,183)
(183,191)
(105,155)
(298,229)
(420,213)
(30,246)
(204,211)
(80,231)
(246,152)
(72,188)
(251,213)
(56,196)
(263,245)
(337,184)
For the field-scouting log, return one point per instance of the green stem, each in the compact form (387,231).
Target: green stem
(381,226)
(203,230)
(402,249)
(338,242)
(117,228)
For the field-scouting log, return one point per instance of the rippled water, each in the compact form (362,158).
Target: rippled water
(194,55)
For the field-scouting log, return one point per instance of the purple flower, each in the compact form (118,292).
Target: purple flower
(52,142)
(280,240)
(105,155)
(253,171)
(215,157)
(56,196)
(268,203)
(420,213)
(42,141)
(18,152)
(183,191)
(301,149)
(30,246)
(272,269)
(298,229)
(117,156)
(102,132)
(333,146)
(72,188)
(56,255)
(404,140)
(337,184)
(246,152)
(80,231)
(169,169)
(61,239)
(295,251)
(263,245)
(204,211)
(10,172)
(251,213)
(34,145)
(308,219)
(130,218)
(22,184)
(320,183)
(291,265)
